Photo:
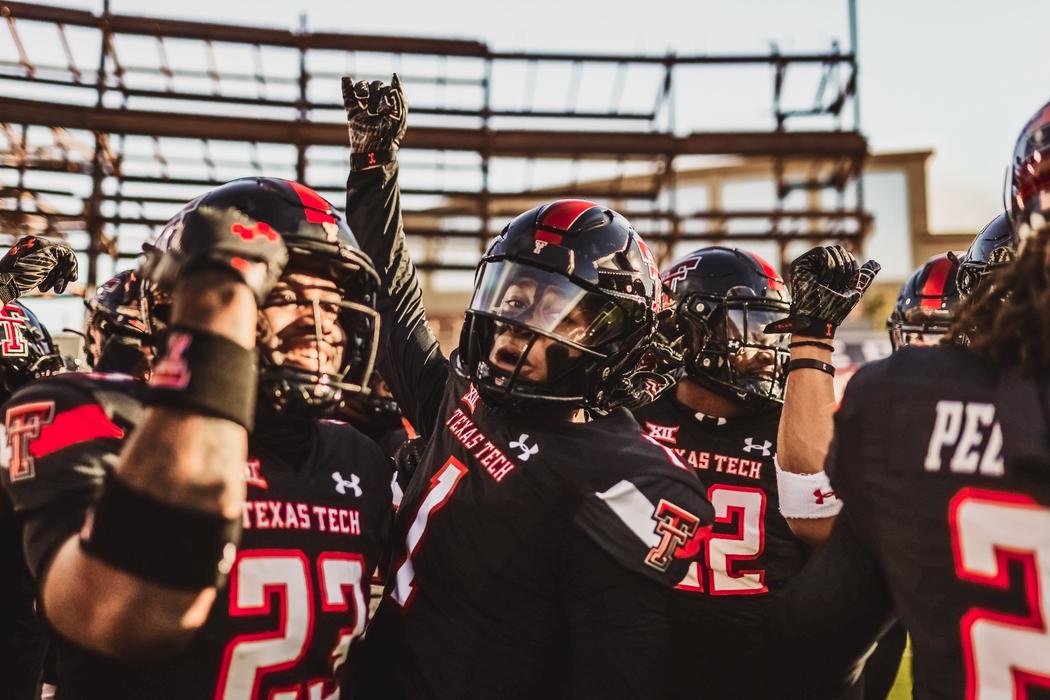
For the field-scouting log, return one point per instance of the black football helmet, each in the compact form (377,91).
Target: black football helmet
(320,244)
(26,349)
(564,310)
(926,304)
(725,298)
(1028,186)
(114,328)
(995,246)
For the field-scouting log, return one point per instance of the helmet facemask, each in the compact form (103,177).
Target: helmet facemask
(536,335)
(728,350)
(324,350)
(316,348)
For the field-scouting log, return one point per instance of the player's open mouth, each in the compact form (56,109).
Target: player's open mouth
(506,358)
(310,354)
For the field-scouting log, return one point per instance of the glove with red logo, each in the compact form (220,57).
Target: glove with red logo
(377,117)
(36,263)
(222,239)
(826,283)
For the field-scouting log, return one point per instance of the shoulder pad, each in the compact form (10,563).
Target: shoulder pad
(651,523)
(60,434)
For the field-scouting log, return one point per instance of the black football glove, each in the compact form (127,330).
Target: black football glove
(225,239)
(826,283)
(407,460)
(377,116)
(36,263)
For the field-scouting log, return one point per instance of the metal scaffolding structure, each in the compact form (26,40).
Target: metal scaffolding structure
(108,122)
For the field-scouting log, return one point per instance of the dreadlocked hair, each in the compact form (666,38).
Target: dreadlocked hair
(1006,320)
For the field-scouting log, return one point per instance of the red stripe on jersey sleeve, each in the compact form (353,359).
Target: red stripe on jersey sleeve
(75,425)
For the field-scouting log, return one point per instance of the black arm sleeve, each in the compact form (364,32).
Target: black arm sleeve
(619,626)
(410,358)
(827,619)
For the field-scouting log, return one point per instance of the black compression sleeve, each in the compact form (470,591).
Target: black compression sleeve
(410,360)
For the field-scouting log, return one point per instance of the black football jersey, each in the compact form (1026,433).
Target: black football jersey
(532,558)
(298,593)
(721,603)
(22,641)
(509,537)
(943,464)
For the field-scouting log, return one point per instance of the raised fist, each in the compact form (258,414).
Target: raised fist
(826,283)
(211,238)
(376,115)
(36,263)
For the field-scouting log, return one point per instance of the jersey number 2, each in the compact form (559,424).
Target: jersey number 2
(256,577)
(1004,654)
(725,552)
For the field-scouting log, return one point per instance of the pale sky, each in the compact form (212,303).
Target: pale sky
(957,76)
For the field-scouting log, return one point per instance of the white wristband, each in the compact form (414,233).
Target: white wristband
(806,496)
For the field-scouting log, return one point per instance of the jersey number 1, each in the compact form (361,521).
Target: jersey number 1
(1004,654)
(441,486)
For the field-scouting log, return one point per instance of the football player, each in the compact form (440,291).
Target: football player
(26,353)
(115,337)
(926,304)
(721,420)
(133,495)
(942,457)
(540,535)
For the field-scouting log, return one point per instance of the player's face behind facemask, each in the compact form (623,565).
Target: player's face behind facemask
(739,357)
(302,317)
(541,329)
(317,345)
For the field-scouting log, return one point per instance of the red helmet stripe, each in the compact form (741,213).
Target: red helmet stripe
(563,214)
(318,211)
(775,283)
(933,288)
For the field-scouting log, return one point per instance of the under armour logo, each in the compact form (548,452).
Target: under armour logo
(819,496)
(526,450)
(341,484)
(750,446)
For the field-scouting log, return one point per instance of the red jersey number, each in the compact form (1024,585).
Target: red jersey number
(1004,654)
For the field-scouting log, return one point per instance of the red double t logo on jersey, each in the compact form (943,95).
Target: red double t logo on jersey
(676,527)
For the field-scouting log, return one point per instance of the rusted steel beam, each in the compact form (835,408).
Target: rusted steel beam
(206,31)
(522,143)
